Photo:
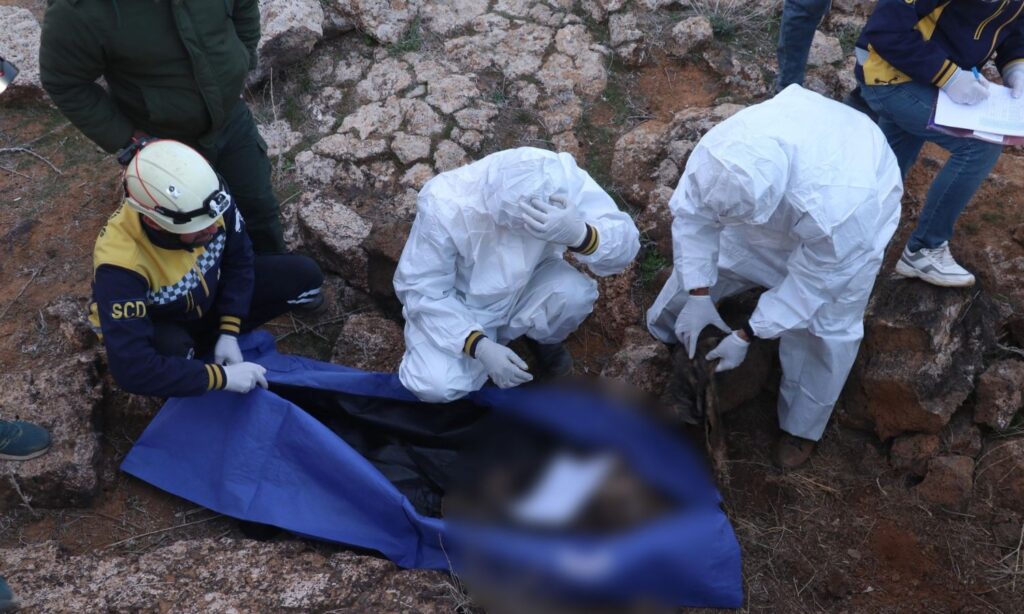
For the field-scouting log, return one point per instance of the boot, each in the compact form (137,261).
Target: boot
(7,601)
(22,440)
(792,451)
(553,359)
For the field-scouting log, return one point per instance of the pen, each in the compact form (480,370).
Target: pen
(974,71)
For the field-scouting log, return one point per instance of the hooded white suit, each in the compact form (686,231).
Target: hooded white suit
(470,266)
(800,195)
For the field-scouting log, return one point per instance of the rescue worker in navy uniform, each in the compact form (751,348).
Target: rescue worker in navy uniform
(174,272)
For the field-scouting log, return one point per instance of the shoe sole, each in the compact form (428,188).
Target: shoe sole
(36,454)
(906,270)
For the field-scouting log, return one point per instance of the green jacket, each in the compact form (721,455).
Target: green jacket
(174,68)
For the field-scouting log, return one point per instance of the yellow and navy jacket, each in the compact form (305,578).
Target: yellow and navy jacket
(926,40)
(140,275)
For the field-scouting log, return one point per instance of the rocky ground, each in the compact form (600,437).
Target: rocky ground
(915,501)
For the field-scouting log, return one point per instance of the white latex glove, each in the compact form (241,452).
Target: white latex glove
(243,377)
(963,88)
(1013,78)
(227,352)
(732,350)
(504,366)
(557,221)
(697,313)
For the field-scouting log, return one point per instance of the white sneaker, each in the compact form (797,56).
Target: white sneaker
(935,266)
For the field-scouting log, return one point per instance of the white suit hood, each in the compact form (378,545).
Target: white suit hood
(524,174)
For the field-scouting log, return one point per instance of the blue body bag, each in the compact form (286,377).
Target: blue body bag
(261,458)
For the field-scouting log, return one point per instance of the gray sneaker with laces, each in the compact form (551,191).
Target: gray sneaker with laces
(935,266)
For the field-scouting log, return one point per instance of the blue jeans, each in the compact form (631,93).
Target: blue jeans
(903,114)
(800,18)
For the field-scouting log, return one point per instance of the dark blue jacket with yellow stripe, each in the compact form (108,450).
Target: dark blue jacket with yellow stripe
(141,275)
(926,40)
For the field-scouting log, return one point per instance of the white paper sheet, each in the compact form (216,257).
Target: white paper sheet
(565,486)
(999,114)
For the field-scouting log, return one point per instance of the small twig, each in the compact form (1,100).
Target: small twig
(5,150)
(25,500)
(12,171)
(22,291)
(158,531)
(287,200)
(1010,349)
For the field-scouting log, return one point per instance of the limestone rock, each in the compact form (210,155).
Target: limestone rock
(478,118)
(449,156)
(64,398)
(19,44)
(351,69)
(288,31)
(420,118)
(451,93)
(567,142)
(949,481)
(314,170)
(998,397)
(622,29)
(690,34)
(1001,473)
(380,119)
(369,342)
(70,315)
(636,152)
(387,21)
(349,147)
(410,148)
(578,68)
(825,49)
(218,575)
(912,453)
(446,16)
(922,350)
(417,175)
(385,79)
(643,362)
(335,233)
(280,137)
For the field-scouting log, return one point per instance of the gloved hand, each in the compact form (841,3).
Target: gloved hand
(243,377)
(963,88)
(227,352)
(557,221)
(732,350)
(504,366)
(698,312)
(1013,78)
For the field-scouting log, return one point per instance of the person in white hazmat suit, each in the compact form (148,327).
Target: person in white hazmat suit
(799,195)
(484,265)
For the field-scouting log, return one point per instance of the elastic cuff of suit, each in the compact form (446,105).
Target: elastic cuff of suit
(472,341)
(945,73)
(590,242)
(216,377)
(230,325)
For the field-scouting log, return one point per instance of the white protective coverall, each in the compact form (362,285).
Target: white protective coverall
(469,265)
(799,195)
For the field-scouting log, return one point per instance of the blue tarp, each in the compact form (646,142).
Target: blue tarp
(259,457)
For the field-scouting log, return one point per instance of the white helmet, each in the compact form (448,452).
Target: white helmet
(171,184)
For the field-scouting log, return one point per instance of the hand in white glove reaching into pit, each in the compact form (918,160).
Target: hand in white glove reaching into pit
(227,352)
(698,312)
(964,88)
(244,376)
(557,221)
(731,352)
(504,366)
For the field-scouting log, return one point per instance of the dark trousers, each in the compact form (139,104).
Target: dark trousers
(283,282)
(240,156)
